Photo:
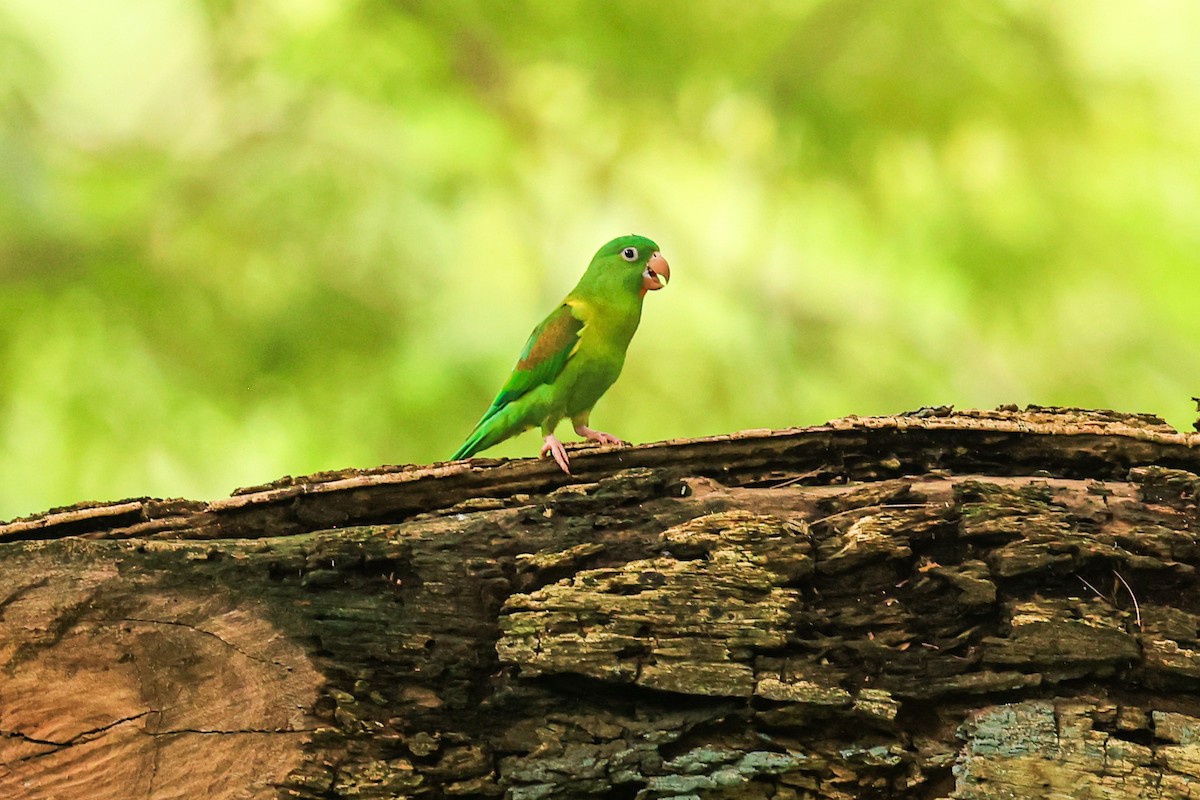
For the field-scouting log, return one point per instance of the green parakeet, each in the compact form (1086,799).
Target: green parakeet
(576,353)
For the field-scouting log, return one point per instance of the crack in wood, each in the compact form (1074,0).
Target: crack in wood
(79,738)
(196,629)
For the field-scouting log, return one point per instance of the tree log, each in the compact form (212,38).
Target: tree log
(973,605)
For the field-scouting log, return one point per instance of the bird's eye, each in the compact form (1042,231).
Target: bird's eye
(629,254)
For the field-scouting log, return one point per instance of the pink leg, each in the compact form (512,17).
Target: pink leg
(597,436)
(555,448)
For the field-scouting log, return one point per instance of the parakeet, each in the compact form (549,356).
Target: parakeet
(576,352)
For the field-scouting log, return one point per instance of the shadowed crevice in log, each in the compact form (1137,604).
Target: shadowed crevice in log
(975,605)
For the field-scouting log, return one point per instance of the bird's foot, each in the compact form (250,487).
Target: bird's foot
(598,436)
(555,448)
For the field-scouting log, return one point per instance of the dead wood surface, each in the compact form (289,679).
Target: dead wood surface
(968,605)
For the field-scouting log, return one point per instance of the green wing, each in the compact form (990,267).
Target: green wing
(542,359)
(548,350)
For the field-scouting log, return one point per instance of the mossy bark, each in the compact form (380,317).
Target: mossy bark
(969,605)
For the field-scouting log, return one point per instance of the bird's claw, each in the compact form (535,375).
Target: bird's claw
(599,436)
(555,448)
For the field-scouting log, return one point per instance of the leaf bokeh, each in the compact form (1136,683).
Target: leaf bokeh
(240,240)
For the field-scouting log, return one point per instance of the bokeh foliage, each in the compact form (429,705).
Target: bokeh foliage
(244,239)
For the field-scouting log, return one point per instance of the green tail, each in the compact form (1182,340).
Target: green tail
(472,445)
(492,429)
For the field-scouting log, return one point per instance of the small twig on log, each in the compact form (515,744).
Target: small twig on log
(1093,588)
(1137,610)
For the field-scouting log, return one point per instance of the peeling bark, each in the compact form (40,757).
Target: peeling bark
(969,605)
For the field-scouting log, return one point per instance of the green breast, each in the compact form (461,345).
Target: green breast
(597,363)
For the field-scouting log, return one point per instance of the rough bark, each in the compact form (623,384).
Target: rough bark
(968,605)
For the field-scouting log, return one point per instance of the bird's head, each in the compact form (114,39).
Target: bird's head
(633,262)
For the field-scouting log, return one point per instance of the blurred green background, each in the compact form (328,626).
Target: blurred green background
(246,239)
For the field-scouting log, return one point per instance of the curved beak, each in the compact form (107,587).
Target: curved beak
(656,274)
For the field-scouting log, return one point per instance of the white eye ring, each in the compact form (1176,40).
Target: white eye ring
(629,254)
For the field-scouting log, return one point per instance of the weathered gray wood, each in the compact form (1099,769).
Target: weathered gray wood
(974,605)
